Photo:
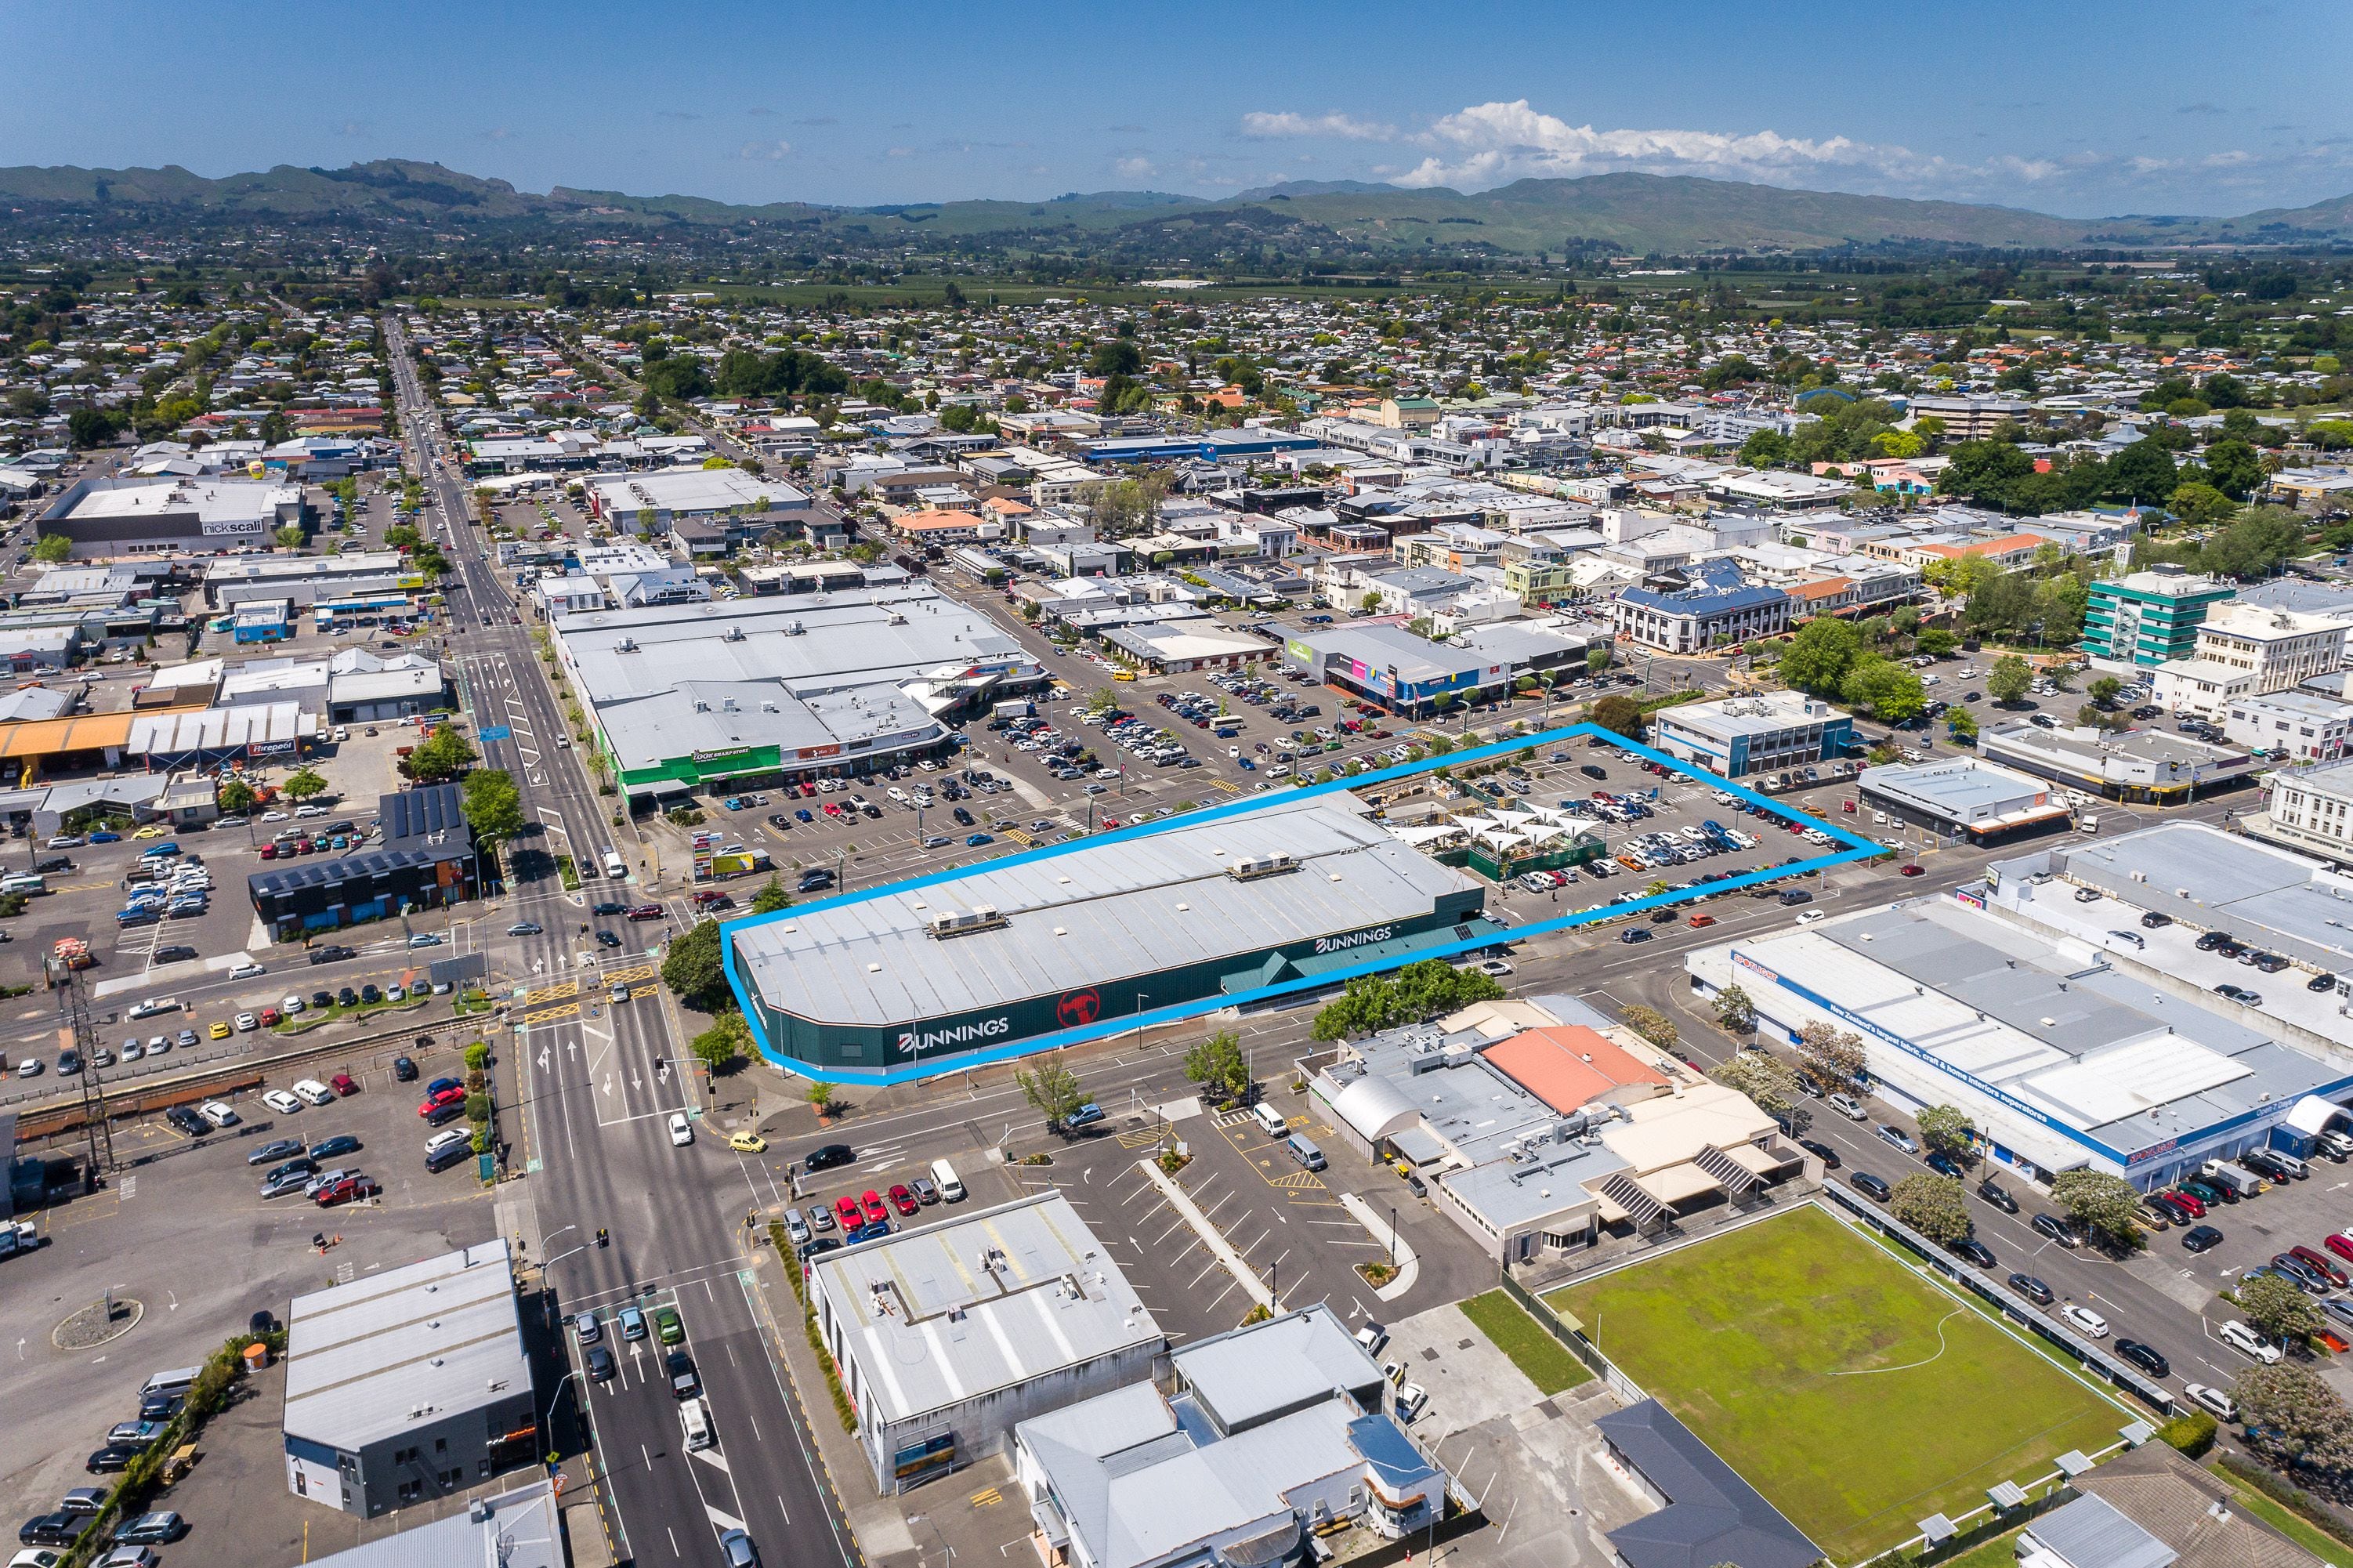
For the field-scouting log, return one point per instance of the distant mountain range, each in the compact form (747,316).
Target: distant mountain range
(1628,213)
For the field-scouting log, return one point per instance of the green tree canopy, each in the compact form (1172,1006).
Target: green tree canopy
(1763,1078)
(1734,1012)
(1833,1058)
(2008,678)
(52,549)
(1932,1205)
(301,784)
(1817,659)
(1945,1130)
(1419,991)
(2277,1307)
(771,896)
(445,754)
(1884,689)
(1051,1089)
(728,1038)
(1621,716)
(2292,1416)
(493,804)
(1219,1066)
(692,967)
(2100,1205)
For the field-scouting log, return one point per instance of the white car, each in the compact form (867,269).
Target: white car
(247,1023)
(273,816)
(2238,1337)
(2084,1317)
(1808,917)
(217,1114)
(292,1004)
(312,1092)
(2222,1405)
(281,1102)
(310,811)
(1411,1398)
(246,970)
(681,1131)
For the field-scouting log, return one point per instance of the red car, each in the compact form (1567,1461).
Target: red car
(269,852)
(903,1201)
(2191,1201)
(846,1210)
(646,912)
(435,1102)
(2341,1244)
(876,1213)
(1907,870)
(343,1084)
(345,1191)
(2326,1265)
(1699,921)
(270,1017)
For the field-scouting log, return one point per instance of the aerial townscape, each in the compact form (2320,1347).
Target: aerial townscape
(1417,831)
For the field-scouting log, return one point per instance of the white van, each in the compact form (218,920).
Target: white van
(2240,1337)
(1273,1120)
(694,1420)
(23,882)
(615,866)
(945,1178)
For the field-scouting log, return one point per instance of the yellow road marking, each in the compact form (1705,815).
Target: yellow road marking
(550,1014)
(551,993)
(987,1498)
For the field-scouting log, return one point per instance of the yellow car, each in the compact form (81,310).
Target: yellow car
(152,831)
(747,1143)
(220,1031)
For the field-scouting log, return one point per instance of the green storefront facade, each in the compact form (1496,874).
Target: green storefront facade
(1455,916)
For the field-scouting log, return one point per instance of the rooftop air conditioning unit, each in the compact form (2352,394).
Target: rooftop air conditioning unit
(1256,866)
(734,634)
(963,923)
(625,645)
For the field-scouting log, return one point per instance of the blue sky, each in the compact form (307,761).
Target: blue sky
(2076,109)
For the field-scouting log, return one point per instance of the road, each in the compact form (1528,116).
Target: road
(600,1080)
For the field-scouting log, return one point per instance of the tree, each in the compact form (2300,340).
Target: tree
(1817,659)
(1596,661)
(2237,472)
(2277,1307)
(727,1038)
(1765,1079)
(1833,1058)
(445,754)
(493,804)
(2099,1204)
(2006,680)
(692,968)
(1653,1026)
(1051,1089)
(1621,716)
(2290,1413)
(1884,689)
(291,538)
(304,784)
(1945,1130)
(1935,642)
(1962,725)
(1217,1064)
(1932,1205)
(52,549)
(820,1095)
(90,427)
(2104,691)
(1735,1014)
(2143,471)
(234,796)
(2199,504)
(772,896)
(1419,991)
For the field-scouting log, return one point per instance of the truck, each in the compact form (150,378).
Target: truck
(2240,1180)
(1015,707)
(20,1236)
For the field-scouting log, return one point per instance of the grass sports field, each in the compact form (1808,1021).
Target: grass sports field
(1858,1397)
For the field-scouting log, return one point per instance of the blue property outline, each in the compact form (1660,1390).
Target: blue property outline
(1858,848)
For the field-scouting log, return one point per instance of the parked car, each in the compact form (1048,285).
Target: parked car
(2033,1290)
(1872,1186)
(2085,1319)
(2145,1357)
(2057,1229)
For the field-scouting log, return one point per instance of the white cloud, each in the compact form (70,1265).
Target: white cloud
(770,151)
(1346,127)
(1489,143)
(1136,168)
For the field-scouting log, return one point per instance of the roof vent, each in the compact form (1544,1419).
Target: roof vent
(625,645)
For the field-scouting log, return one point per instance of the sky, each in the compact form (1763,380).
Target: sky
(2077,108)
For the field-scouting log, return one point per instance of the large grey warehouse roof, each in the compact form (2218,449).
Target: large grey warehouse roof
(510,1529)
(2229,881)
(1094,915)
(986,1301)
(441,1335)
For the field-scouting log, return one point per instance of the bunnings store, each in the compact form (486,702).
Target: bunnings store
(1063,939)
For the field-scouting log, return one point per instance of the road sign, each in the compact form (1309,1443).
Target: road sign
(497,732)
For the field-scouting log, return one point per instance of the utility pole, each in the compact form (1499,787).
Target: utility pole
(74,1030)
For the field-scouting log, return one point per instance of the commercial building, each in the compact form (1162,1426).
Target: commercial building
(519,1528)
(2148,766)
(1267,1435)
(408,1384)
(782,687)
(1706,1513)
(947,1336)
(1709,605)
(1968,798)
(2062,1056)
(129,516)
(1969,416)
(1208,446)
(1740,735)
(1094,930)
(1403,672)
(426,859)
(2310,811)
(1176,649)
(2275,649)
(745,506)
(2303,725)
(2149,617)
(308,580)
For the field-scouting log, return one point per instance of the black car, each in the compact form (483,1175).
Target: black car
(601,1365)
(347,997)
(261,1322)
(2145,1357)
(1822,1151)
(403,1069)
(2321,982)
(1998,1195)
(328,1148)
(606,939)
(175,955)
(2198,1238)
(609,907)
(112,1458)
(684,1382)
(2033,1290)
(813,880)
(1872,1186)
(187,1121)
(2211,941)
(51,1530)
(2156,919)
(825,1157)
(370,994)
(1974,1250)
(2240,994)
(276,1149)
